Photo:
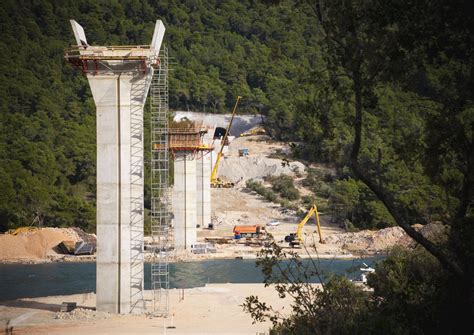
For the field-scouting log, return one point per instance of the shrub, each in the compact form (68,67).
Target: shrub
(258,187)
(308,200)
(283,184)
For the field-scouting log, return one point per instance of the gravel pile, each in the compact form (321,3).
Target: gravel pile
(82,314)
(78,235)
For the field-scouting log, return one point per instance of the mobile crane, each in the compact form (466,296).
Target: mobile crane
(217,182)
(295,239)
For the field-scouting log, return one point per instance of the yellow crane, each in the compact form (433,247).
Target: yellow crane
(215,180)
(295,238)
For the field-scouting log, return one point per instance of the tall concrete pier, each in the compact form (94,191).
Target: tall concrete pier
(119,78)
(192,189)
(203,189)
(184,200)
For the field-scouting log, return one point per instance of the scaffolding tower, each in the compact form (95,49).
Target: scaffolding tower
(161,228)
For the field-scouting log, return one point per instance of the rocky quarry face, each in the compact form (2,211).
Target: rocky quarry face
(256,167)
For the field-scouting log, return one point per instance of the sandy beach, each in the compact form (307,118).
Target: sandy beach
(213,309)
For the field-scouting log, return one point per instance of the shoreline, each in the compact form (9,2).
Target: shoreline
(92,259)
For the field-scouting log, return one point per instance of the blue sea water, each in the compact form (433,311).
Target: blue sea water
(38,280)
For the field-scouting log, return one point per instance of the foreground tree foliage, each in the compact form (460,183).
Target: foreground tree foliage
(389,60)
(411,293)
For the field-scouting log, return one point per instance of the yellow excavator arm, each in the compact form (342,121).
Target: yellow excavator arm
(214,177)
(313,210)
(295,239)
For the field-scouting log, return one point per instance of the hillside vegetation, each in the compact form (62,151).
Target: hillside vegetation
(417,132)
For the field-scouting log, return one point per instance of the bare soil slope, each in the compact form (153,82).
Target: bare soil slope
(37,245)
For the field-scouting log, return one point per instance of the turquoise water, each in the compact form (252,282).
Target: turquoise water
(38,280)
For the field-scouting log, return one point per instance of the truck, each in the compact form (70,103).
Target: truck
(250,230)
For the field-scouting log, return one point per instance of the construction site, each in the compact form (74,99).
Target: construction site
(200,209)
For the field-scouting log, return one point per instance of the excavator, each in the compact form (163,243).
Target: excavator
(217,182)
(294,239)
(254,131)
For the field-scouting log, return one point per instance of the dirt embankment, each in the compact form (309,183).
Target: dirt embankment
(373,242)
(38,245)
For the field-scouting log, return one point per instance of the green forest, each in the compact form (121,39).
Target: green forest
(219,50)
(380,90)
(416,95)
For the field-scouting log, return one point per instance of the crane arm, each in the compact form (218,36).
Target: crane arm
(219,155)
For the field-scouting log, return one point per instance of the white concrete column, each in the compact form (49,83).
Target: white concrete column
(119,85)
(203,197)
(184,200)
(119,189)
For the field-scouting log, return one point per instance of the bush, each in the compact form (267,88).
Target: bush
(283,184)
(258,187)
(412,294)
(318,182)
(340,307)
(308,200)
(416,295)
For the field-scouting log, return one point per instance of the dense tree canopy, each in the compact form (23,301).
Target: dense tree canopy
(47,120)
(415,61)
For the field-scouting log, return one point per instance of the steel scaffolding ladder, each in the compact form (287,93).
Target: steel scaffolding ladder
(161,227)
(137,211)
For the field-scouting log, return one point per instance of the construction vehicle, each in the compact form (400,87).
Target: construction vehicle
(22,230)
(243,152)
(217,182)
(254,131)
(252,231)
(295,239)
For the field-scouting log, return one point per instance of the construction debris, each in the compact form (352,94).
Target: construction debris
(203,248)
(68,306)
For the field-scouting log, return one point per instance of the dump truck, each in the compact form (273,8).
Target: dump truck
(251,230)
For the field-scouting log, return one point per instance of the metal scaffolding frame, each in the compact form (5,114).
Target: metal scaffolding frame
(161,227)
(137,212)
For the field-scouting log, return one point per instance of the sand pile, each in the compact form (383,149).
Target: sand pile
(367,241)
(37,245)
(256,167)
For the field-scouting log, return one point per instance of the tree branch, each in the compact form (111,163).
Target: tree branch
(383,196)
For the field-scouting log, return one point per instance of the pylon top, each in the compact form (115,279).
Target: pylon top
(103,59)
